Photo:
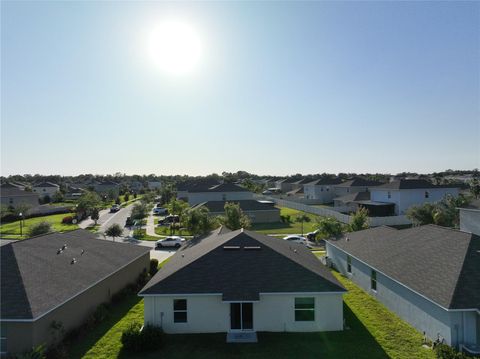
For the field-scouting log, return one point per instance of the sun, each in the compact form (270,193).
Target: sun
(175,47)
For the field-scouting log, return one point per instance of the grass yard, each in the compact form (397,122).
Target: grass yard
(373,332)
(287,228)
(165,231)
(12,230)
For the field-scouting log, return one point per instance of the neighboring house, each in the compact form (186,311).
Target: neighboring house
(429,276)
(355,185)
(42,284)
(353,201)
(74,193)
(297,193)
(287,184)
(17,185)
(136,186)
(257,211)
(243,281)
(154,185)
(470,217)
(46,189)
(13,197)
(107,188)
(184,188)
(410,192)
(220,192)
(321,189)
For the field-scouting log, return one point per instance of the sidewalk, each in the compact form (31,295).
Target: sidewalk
(150,227)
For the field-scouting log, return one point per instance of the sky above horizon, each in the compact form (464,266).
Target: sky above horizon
(280,88)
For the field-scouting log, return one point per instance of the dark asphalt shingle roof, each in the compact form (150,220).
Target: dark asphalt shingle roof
(440,263)
(360,182)
(15,192)
(412,184)
(223,187)
(241,274)
(353,197)
(35,279)
(46,184)
(245,205)
(325,182)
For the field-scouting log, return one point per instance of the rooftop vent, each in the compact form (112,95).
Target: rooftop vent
(64,247)
(252,248)
(231,248)
(83,251)
(59,251)
(74,260)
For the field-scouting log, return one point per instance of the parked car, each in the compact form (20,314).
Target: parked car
(298,239)
(173,241)
(114,208)
(129,222)
(169,220)
(311,236)
(160,211)
(267,192)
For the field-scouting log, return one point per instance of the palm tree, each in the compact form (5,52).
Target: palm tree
(302,218)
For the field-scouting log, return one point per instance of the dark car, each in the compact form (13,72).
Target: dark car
(115,208)
(169,220)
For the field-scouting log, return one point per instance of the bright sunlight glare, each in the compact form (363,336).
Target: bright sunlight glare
(175,47)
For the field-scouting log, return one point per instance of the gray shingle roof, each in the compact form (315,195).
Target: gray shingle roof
(412,184)
(223,187)
(245,205)
(360,182)
(441,264)
(353,197)
(46,184)
(35,279)
(15,192)
(241,274)
(325,182)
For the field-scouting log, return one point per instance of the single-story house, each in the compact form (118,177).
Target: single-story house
(406,193)
(46,189)
(220,192)
(357,184)
(428,275)
(322,189)
(13,197)
(60,278)
(257,211)
(242,281)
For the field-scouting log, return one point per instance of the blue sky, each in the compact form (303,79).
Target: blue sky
(282,88)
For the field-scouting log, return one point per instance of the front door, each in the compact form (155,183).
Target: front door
(241,316)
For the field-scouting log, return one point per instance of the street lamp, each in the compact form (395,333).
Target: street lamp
(21,229)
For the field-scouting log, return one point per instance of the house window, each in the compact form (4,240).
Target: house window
(179,310)
(348,190)
(224,197)
(373,280)
(389,195)
(321,189)
(427,194)
(305,309)
(328,189)
(349,264)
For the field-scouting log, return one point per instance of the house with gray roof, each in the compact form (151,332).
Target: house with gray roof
(11,196)
(61,278)
(405,193)
(219,192)
(322,189)
(257,211)
(428,275)
(242,282)
(355,185)
(45,189)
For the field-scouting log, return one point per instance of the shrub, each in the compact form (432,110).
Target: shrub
(285,218)
(444,351)
(40,228)
(67,220)
(36,353)
(138,233)
(136,340)
(153,266)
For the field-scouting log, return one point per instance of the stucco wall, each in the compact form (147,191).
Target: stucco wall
(421,313)
(199,197)
(14,201)
(470,220)
(43,191)
(24,336)
(209,314)
(324,194)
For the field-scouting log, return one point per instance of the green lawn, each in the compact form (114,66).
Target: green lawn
(373,332)
(287,228)
(12,230)
(165,231)
(145,236)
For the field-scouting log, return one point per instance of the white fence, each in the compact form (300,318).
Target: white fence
(345,218)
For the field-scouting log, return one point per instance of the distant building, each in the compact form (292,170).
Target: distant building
(322,189)
(62,278)
(355,185)
(154,185)
(13,197)
(107,187)
(257,211)
(221,192)
(46,189)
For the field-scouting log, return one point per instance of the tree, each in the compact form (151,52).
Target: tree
(87,203)
(421,214)
(177,207)
(139,211)
(126,197)
(302,218)
(234,217)
(57,197)
(475,188)
(329,227)
(117,200)
(114,231)
(167,193)
(359,220)
(40,228)
(198,221)
(95,215)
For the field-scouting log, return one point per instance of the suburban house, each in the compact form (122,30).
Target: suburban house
(357,184)
(184,188)
(12,184)
(45,189)
(470,217)
(13,197)
(257,211)
(322,189)
(107,188)
(220,192)
(154,185)
(288,184)
(353,201)
(297,192)
(427,275)
(243,282)
(405,193)
(60,278)
(74,192)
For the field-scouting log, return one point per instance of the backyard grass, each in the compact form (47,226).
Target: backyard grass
(165,231)
(12,230)
(373,332)
(293,227)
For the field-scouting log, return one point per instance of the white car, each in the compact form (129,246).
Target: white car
(172,241)
(298,239)
(160,211)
